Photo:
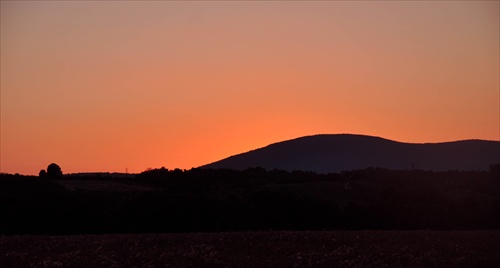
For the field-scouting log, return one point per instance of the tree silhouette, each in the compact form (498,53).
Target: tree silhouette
(54,171)
(42,173)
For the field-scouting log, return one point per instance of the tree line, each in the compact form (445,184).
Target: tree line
(205,200)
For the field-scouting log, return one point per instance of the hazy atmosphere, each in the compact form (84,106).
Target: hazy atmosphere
(115,86)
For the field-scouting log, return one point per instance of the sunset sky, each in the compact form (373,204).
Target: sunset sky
(108,86)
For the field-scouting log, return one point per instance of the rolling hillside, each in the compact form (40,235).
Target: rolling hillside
(335,153)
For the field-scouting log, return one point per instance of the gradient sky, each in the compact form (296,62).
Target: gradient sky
(110,86)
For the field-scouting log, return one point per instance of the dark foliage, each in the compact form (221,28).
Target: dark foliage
(200,200)
(54,171)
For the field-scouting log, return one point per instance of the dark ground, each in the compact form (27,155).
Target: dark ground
(257,249)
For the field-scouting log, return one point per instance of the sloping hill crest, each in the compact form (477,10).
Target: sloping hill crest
(327,153)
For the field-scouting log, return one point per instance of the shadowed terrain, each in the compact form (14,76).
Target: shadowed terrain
(257,249)
(251,218)
(207,200)
(335,153)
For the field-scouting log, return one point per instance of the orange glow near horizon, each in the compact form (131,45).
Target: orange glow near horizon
(110,86)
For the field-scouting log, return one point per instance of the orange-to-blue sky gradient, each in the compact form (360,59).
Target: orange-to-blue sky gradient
(112,85)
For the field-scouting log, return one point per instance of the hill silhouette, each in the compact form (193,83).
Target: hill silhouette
(342,152)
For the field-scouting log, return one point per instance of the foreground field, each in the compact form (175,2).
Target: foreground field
(257,249)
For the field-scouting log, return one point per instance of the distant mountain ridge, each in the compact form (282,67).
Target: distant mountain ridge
(327,153)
